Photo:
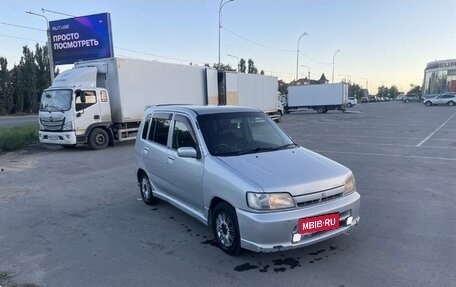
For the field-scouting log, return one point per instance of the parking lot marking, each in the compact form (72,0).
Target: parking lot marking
(396,145)
(433,133)
(385,154)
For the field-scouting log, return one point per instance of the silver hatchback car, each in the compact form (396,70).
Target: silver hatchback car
(236,171)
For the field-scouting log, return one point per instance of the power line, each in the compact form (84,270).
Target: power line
(256,43)
(318,62)
(20,38)
(20,26)
(158,56)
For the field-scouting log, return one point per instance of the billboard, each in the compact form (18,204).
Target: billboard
(81,38)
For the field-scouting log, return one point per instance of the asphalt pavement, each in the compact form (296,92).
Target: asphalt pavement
(16,121)
(75,217)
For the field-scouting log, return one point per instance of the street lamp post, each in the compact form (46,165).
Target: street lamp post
(308,71)
(297,55)
(334,55)
(238,67)
(220,26)
(50,57)
(367,87)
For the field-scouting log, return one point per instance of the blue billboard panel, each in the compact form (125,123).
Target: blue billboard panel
(81,38)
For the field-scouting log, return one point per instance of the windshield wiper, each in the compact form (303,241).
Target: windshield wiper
(262,149)
(286,146)
(254,150)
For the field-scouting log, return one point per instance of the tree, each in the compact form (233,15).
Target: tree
(393,92)
(223,67)
(416,90)
(5,94)
(251,69)
(383,91)
(242,65)
(354,90)
(27,79)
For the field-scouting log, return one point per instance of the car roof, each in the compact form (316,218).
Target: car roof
(201,110)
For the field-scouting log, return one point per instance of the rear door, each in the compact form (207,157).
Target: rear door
(155,148)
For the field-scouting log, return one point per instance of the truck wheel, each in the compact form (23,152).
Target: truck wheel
(226,229)
(98,139)
(320,110)
(146,190)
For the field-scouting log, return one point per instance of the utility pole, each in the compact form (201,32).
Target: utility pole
(297,55)
(50,57)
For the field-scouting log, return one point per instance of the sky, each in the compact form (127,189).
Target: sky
(385,42)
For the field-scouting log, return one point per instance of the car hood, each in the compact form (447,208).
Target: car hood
(298,171)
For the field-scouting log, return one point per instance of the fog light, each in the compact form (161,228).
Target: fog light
(349,220)
(67,136)
(296,237)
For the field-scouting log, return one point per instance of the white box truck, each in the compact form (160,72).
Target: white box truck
(321,98)
(252,90)
(102,101)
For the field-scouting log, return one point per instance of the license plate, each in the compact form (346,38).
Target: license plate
(53,138)
(318,223)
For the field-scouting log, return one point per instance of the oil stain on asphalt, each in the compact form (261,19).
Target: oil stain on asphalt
(280,264)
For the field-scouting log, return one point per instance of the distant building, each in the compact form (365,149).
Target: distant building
(439,78)
(307,81)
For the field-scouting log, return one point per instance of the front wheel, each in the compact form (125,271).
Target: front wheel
(226,229)
(428,103)
(451,103)
(320,110)
(98,139)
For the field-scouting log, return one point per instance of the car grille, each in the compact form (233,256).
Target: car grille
(319,197)
(52,124)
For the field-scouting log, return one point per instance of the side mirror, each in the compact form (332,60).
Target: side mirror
(188,152)
(83,97)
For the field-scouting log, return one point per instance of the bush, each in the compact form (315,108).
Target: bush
(18,137)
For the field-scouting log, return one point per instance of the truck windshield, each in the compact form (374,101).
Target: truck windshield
(232,134)
(56,100)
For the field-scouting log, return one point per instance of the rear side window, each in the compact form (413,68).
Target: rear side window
(159,128)
(146,126)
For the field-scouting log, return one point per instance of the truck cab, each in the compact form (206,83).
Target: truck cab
(73,110)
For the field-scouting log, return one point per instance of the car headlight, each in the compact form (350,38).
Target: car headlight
(269,201)
(350,185)
(68,126)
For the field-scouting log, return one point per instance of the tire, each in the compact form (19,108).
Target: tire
(320,110)
(349,105)
(451,103)
(428,103)
(325,110)
(406,101)
(98,139)
(146,190)
(226,229)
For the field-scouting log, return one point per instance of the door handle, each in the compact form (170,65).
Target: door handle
(146,149)
(171,157)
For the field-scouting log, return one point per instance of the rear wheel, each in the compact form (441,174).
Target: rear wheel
(320,110)
(146,190)
(226,229)
(98,139)
(451,103)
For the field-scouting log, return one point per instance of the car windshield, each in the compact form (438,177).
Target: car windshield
(56,100)
(231,134)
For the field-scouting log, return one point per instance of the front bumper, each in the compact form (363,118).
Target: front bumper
(62,138)
(269,232)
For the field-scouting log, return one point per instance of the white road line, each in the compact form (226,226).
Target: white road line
(394,145)
(384,154)
(429,136)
